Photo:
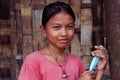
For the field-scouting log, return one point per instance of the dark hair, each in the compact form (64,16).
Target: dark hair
(55,8)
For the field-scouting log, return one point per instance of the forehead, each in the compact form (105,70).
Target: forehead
(61,16)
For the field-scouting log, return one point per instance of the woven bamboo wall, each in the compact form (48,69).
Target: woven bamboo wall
(21,35)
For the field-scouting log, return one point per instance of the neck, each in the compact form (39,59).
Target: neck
(59,57)
(56,51)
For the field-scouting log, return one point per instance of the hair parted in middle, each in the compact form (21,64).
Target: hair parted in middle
(54,8)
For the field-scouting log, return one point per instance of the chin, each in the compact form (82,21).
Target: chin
(63,46)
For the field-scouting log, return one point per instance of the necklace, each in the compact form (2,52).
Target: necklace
(64,74)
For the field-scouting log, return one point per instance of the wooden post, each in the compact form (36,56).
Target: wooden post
(75,44)
(76,6)
(14,68)
(26,14)
(97,22)
(66,1)
(86,33)
(112,13)
(50,1)
(38,38)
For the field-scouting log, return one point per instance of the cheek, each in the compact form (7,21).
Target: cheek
(71,34)
(51,35)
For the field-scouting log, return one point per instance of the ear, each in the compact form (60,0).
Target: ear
(42,28)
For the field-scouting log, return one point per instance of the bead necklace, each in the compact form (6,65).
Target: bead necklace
(64,74)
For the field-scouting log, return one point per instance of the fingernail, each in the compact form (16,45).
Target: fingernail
(97,54)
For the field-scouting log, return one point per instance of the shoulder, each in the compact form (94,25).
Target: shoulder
(32,55)
(32,58)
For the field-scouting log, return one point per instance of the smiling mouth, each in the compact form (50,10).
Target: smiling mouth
(64,40)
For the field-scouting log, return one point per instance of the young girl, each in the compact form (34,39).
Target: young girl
(53,62)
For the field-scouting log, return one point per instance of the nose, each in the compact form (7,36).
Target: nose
(64,32)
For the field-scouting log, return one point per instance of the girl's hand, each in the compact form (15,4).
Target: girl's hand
(102,53)
(87,75)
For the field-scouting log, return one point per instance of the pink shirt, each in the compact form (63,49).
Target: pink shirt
(38,67)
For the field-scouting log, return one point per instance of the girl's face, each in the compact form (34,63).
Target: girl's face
(60,30)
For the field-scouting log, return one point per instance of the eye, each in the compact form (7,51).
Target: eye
(56,27)
(70,27)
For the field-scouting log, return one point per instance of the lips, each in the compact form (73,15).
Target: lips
(64,40)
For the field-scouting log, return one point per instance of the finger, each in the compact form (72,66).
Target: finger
(85,72)
(87,75)
(95,52)
(101,48)
(92,75)
(101,55)
(104,57)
